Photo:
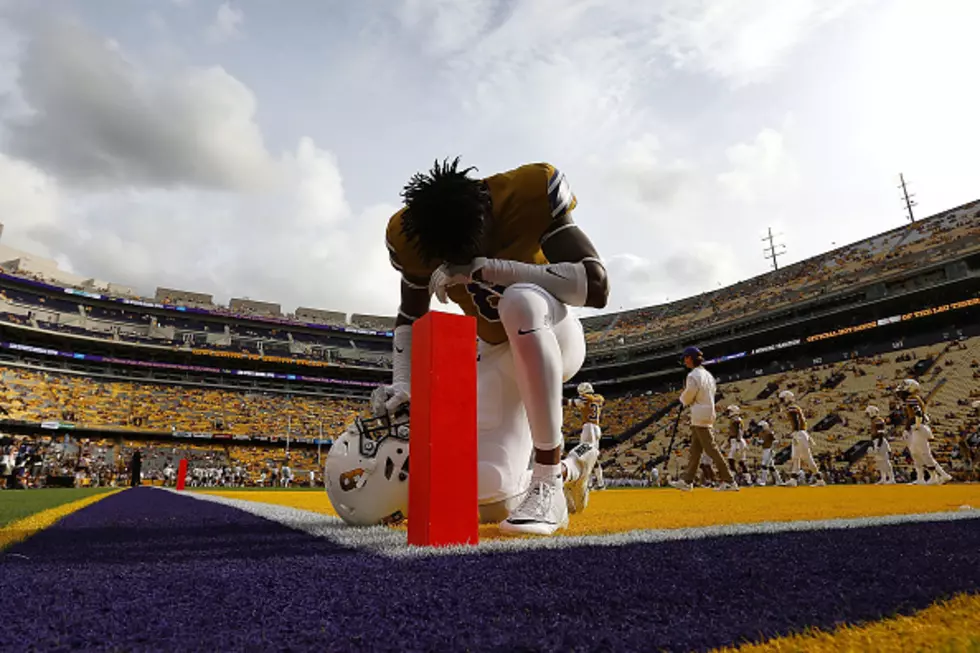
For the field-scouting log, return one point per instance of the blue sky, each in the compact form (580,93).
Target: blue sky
(255,148)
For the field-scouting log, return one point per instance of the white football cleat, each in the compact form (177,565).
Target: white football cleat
(584,457)
(727,487)
(818,483)
(680,484)
(542,512)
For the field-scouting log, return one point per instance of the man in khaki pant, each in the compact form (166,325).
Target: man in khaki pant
(699,394)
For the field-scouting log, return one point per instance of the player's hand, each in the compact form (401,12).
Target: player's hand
(447,275)
(386,399)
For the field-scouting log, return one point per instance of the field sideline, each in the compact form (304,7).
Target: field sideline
(622,510)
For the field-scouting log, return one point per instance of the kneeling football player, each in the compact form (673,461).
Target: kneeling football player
(505,249)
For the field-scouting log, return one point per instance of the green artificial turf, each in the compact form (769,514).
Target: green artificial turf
(17,504)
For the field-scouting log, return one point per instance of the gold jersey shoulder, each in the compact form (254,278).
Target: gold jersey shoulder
(591,407)
(527,201)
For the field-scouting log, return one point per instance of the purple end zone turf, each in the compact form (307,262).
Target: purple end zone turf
(150,570)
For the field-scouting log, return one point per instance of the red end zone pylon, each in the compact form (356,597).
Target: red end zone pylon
(182,473)
(442,490)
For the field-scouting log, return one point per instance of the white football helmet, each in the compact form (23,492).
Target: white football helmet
(872,411)
(366,473)
(786,397)
(585,388)
(909,386)
(732,410)
(764,425)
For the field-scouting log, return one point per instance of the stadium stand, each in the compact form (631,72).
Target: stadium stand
(89,402)
(94,316)
(955,232)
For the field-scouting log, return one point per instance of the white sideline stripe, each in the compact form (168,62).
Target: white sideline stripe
(392,544)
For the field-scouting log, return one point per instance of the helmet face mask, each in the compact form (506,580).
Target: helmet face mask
(373,431)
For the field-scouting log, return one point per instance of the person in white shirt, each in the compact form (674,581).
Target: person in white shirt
(699,395)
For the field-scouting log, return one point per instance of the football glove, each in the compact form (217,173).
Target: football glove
(386,399)
(447,275)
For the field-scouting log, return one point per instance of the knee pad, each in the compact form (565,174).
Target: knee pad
(526,306)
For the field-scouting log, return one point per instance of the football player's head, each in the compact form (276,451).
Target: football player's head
(446,212)
(764,426)
(585,388)
(366,473)
(786,397)
(872,411)
(907,387)
(732,410)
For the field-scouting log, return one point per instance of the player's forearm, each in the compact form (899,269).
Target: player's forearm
(569,282)
(402,355)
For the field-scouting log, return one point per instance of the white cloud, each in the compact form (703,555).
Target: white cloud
(147,179)
(227,24)
(98,118)
(692,267)
(742,41)
(446,26)
(760,170)
(30,205)
(641,174)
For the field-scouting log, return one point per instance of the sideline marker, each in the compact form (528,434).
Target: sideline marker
(442,467)
(181,473)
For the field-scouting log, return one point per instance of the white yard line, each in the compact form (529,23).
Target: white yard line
(392,543)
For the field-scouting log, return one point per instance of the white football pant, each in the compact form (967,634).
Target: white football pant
(591,433)
(921,451)
(767,465)
(883,461)
(801,454)
(519,393)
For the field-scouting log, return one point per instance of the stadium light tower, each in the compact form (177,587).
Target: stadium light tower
(907,198)
(773,251)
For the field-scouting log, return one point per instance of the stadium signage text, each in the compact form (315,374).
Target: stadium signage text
(258,357)
(843,332)
(174,366)
(782,345)
(926,312)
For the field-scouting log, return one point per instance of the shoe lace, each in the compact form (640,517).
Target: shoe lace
(537,501)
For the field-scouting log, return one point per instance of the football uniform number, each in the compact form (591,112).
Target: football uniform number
(593,412)
(486,300)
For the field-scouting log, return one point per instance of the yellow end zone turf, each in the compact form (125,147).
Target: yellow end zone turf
(22,529)
(952,625)
(618,511)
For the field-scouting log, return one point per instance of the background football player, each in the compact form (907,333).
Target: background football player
(505,249)
(767,437)
(918,433)
(738,449)
(801,453)
(880,447)
(590,405)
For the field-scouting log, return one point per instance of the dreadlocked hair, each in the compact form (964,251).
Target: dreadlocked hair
(444,212)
